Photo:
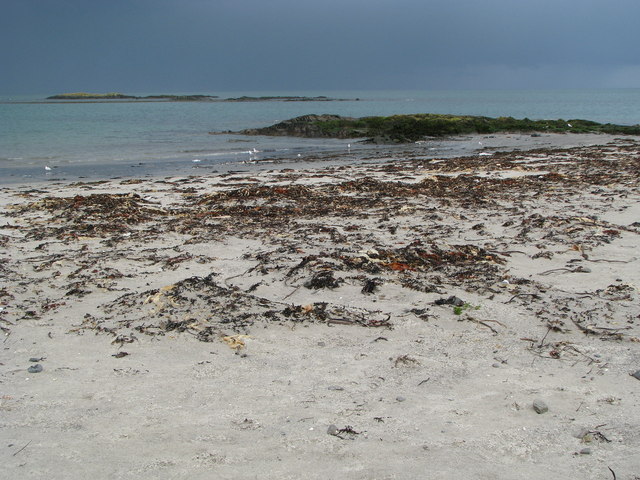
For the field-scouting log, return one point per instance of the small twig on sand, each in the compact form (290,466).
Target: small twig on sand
(595,260)
(591,359)
(294,291)
(484,324)
(545,337)
(532,295)
(507,252)
(556,270)
(612,473)
(238,275)
(15,453)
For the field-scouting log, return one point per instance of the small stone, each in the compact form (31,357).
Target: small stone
(540,407)
(322,344)
(452,300)
(400,398)
(332,430)
(336,388)
(585,451)
(496,365)
(636,375)
(37,368)
(35,359)
(581,433)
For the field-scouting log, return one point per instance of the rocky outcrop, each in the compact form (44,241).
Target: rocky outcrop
(412,128)
(310,126)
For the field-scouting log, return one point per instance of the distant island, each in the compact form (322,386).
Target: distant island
(121,96)
(412,128)
(83,96)
(320,98)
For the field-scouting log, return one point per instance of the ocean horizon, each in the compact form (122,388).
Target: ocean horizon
(43,140)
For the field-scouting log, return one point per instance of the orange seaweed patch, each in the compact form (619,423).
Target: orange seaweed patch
(399,267)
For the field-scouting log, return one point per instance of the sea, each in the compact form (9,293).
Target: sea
(53,140)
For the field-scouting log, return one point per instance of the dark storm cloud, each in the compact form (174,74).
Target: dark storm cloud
(190,45)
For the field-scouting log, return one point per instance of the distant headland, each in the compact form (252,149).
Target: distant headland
(83,96)
(122,96)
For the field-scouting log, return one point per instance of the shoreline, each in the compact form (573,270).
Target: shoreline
(376,318)
(462,145)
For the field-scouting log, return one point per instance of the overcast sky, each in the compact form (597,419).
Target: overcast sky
(53,46)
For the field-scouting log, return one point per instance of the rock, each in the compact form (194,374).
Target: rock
(540,406)
(581,433)
(37,368)
(585,451)
(581,269)
(304,126)
(332,430)
(400,398)
(496,365)
(452,300)
(636,375)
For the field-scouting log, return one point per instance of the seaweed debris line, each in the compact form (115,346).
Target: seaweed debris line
(343,295)
(374,228)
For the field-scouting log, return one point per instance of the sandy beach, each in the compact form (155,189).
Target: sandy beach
(397,318)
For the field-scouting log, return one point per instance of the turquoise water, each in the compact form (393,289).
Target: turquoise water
(108,139)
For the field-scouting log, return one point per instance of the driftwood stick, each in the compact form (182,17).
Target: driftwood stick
(15,453)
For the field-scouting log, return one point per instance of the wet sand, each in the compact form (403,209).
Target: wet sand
(395,317)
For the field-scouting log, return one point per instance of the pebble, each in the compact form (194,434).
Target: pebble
(400,398)
(581,433)
(336,387)
(332,430)
(540,407)
(37,368)
(636,375)
(496,365)
(585,451)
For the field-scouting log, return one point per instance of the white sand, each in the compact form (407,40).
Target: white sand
(431,394)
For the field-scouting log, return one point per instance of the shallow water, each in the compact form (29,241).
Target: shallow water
(96,140)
